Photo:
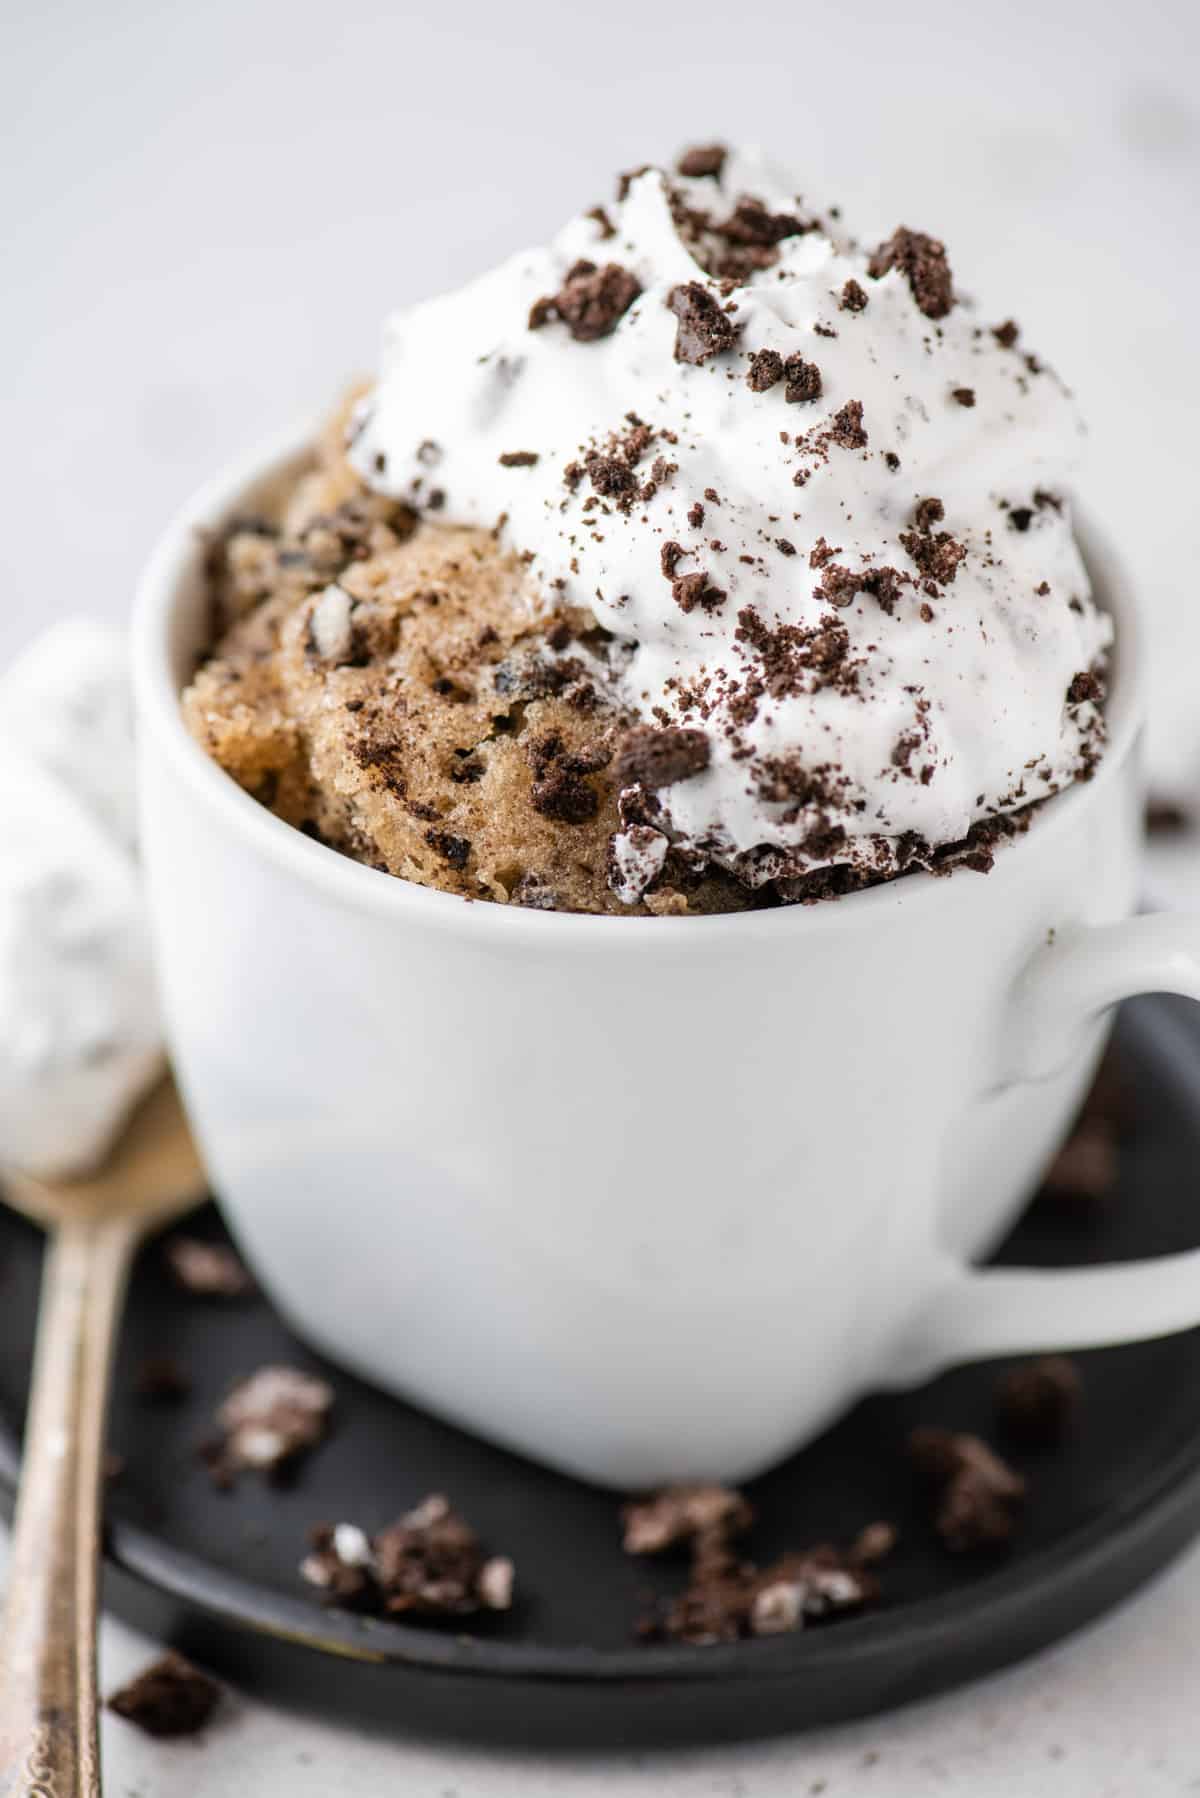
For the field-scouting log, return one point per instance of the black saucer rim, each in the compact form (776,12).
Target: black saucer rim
(1034,1600)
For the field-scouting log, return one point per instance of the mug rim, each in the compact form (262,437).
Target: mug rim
(157,598)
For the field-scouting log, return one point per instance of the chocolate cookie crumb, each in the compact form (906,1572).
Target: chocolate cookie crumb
(964,395)
(206,1269)
(268,1420)
(682,1514)
(804,383)
(559,789)
(1086,1166)
(873,1544)
(692,590)
(766,369)
(854,298)
(936,554)
(161,1380)
(658,758)
(591,301)
(846,426)
(168,1698)
(1006,334)
(1036,1402)
(455,850)
(704,329)
(341,1565)
(701,160)
(977,1496)
(922,260)
(1085,688)
(430,1563)
(518,459)
(1166,817)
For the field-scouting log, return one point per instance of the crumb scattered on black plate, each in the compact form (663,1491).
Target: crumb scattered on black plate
(1036,1403)
(430,1563)
(208,1270)
(976,1497)
(727,1595)
(267,1422)
(161,1381)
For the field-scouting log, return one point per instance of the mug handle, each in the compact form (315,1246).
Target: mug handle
(974,1314)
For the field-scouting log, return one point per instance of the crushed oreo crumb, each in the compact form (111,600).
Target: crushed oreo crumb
(804,384)
(846,427)
(976,1496)
(682,1514)
(922,261)
(765,371)
(518,459)
(591,301)
(964,395)
(653,758)
(206,1269)
(701,160)
(268,1421)
(854,298)
(728,1597)
(168,1698)
(1036,1402)
(430,1563)
(704,329)
(1086,1167)
(560,790)
(692,590)
(1166,817)
(161,1381)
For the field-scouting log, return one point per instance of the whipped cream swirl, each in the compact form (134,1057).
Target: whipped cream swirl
(820,502)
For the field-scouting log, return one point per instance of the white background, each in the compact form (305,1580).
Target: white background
(206,210)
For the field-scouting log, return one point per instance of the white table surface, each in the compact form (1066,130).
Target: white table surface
(206,211)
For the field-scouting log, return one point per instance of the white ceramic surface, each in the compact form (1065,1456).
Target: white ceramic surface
(644,1198)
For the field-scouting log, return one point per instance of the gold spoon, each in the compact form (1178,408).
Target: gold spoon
(49,1746)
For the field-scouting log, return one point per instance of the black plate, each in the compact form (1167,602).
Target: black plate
(216,1574)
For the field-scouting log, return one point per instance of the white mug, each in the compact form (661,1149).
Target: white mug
(648,1199)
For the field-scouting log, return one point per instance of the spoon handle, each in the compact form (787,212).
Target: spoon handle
(49,1745)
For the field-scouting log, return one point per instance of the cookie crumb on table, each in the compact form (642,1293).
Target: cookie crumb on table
(168,1698)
